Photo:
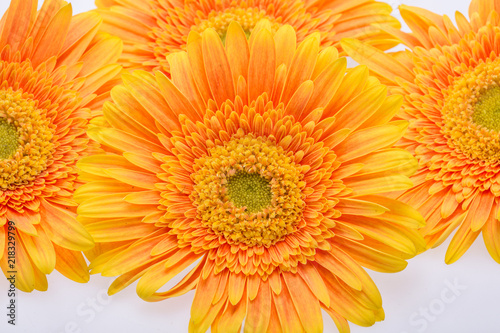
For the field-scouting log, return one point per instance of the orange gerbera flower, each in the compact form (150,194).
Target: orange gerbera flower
(261,162)
(151,30)
(51,84)
(451,82)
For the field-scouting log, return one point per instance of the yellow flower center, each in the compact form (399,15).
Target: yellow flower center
(249,191)
(8,139)
(26,136)
(487,109)
(246,17)
(471,113)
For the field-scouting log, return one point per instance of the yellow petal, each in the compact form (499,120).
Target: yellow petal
(61,227)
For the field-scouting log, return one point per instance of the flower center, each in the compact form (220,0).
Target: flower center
(9,139)
(471,113)
(249,190)
(246,17)
(487,110)
(26,136)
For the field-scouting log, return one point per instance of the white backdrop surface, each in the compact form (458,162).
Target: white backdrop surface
(429,296)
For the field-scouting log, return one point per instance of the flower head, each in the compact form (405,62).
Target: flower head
(261,163)
(151,30)
(51,85)
(450,77)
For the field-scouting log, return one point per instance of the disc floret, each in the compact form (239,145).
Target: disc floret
(471,113)
(249,191)
(8,138)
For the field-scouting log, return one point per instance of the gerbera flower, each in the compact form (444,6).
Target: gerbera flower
(151,30)
(51,84)
(261,162)
(450,79)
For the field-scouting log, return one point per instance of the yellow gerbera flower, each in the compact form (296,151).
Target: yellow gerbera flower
(51,84)
(261,162)
(450,79)
(151,30)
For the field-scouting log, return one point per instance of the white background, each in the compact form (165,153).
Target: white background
(422,288)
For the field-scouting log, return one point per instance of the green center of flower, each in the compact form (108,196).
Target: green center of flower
(9,139)
(487,109)
(249,190)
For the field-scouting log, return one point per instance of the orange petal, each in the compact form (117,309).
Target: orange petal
(18,20)
(139,253)
(326,84)
(481,206)
(52,40)
(368,140)
(106,51)
(337,267)
(97,79)
(61,227)
(238,53)
(178,103)
(188,283)
(305,303)
(71,264)
(360,207)
(82,30)
(361,107)
(128,105)
(285,40)
(119,230)
(372,258)
(158,275)
(379,62)
(262,65)
(24,221)
(299,100)
(231,318)
(236,287)
(259,310)
(140,179)
(352,84)
(202,311)
(20,264)
(41,251)
(289,319)
(491,231)
(217,67)
(150,98)
(181,71)
(122,141)
(302,66)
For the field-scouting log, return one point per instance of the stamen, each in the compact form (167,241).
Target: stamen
(9,139)
(249,190)
(487,109)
